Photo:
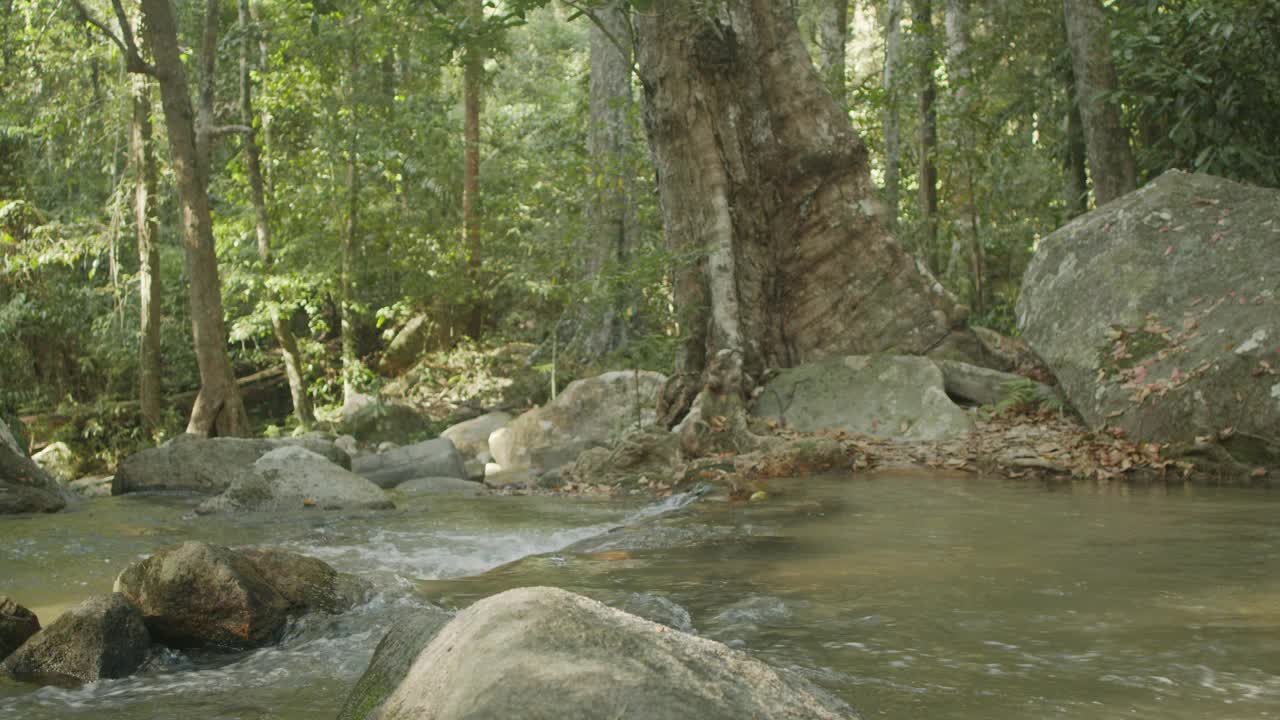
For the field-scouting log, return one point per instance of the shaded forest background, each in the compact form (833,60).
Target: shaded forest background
(361,116)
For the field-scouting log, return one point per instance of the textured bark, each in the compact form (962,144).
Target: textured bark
(1076,178)
(1111,162)
(892,123)
(761,175)
(262,226)
(959,76)
(601,327)
(832,35)
(218,409)
(473,86)
(351,234)
(927,148)
(142,157)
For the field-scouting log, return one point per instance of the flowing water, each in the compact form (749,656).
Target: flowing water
(909,596)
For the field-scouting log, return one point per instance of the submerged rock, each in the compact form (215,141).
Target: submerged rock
(440,486)
(1159,313)
(102,637)
(547,653)
(885,396)
(589,413)
(432,458)
(206,465)
(396,653)
(24,486)
(16,625)
(294,478)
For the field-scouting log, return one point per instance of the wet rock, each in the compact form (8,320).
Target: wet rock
(548,653)
(432,458)
(16,625)
(498,477)
(1159,314)
(57,460)
(440,486)
(391,662)
(201,595)
(24,486)
(589,413)
(657,608)
(91,486)
(472,436)
(206,465)
(103,637)
(884,396)
(308,584)
(294,478)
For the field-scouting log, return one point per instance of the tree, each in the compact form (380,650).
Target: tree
(892,124)
(1111,162)
(832,35)
(927,148)
(351,240)
(262,227)
(766,187)
(473,88)
(142,157)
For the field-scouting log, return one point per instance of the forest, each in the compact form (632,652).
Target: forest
(388,311)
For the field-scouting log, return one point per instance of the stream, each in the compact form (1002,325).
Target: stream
(908,595)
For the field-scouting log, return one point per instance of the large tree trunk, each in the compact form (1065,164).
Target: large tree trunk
(927,148)
(892,123)
(142,156)
(1111,162)
(473,86)
(218,409)
(832,25)
(600,325)
(959,77)
(262,225)
(761,176)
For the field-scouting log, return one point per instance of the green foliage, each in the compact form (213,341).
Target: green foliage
(1028,396)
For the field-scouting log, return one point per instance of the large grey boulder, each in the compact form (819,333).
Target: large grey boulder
(102,637)
(1159,314)
(294,478)
(24,486)
(391,661)
(206,465)
(308,584)
(897,397)
(591,412)
(471,437)
(547,653)
(201,595)
(432,458)
(16,625)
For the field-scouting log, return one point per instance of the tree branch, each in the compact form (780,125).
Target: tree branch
(128,47)
(221,130)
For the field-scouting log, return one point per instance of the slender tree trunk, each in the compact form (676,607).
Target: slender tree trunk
(922,26)
(959,76)
(351,234)
(892,122)
(600,327)
(1111,162)
(262,225)
(833,37)
(1076,179)
(218,408)
(473,86)
(760,173)
(143,158)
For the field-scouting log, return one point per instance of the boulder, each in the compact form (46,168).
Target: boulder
(375,421)
(347,444)
(440,486)
(432,458)
(407,346)
(24,486)
(391,662)
(16,625)
(206,465)
(102,637)
(896,397)
(1159,314)
(91,486)
(547,653)
(649,454)
(201,595)
(472,436)
(294,478)
(57,460)
(984,386)
(308,584)
(498,477)
(589,413)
